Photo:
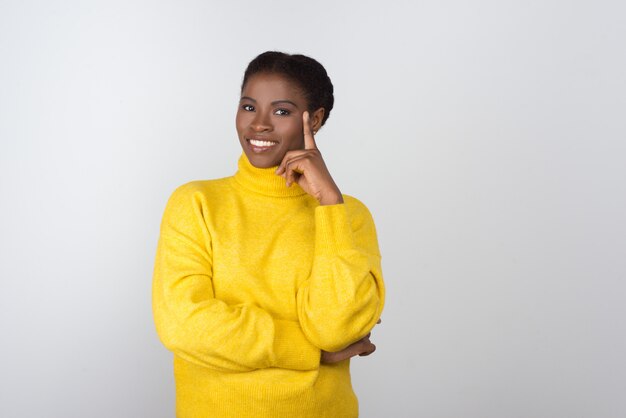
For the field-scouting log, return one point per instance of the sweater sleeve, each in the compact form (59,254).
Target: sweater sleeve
(204,330)
(344,296)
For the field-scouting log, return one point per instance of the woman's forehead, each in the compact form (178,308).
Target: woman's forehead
(272,86)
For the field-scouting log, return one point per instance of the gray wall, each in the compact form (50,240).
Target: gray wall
(488,139)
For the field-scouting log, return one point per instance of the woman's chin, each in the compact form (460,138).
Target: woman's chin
(262,159)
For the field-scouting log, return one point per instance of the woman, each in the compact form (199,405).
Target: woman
(267,282)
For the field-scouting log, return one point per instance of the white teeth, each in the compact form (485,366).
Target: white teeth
(257,143)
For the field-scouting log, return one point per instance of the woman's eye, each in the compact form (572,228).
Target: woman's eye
(282,112)
(248,108)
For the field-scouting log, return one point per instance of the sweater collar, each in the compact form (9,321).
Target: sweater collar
(264,180)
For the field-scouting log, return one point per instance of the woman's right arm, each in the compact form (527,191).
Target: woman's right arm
(204,330)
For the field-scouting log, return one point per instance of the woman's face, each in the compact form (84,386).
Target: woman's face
(269,119)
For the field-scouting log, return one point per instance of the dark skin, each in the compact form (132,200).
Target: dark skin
(275,129)
(274,110)
(307,168)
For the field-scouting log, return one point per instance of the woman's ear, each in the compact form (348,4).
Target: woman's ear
(316,119)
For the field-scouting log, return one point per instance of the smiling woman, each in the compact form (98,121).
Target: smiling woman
(268,282)
(269,121)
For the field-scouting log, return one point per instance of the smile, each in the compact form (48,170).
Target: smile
(259,145)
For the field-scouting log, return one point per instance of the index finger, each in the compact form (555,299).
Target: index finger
(309,141)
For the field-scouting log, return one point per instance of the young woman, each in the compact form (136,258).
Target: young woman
(267,282)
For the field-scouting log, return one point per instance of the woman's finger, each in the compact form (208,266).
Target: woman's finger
(290,155)
(294,167)
(291,176)
(368,348)
(295,161)
(309,141)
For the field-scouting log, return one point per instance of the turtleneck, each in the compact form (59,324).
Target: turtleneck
(249,289)
(264,180)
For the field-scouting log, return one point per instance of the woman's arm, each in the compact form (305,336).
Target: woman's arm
(195,325)
(363,347)
(344,295)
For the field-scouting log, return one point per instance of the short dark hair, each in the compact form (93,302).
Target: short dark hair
(309,74)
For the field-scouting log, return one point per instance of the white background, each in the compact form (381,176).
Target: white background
(488,138)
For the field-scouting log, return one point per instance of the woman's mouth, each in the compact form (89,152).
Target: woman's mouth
(260,145)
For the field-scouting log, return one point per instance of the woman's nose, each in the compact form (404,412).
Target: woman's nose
(261,123)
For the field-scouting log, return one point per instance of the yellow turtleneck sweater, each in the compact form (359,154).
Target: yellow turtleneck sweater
(252,279)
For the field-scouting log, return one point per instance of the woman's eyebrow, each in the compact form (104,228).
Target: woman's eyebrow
(274,103)
(285,101)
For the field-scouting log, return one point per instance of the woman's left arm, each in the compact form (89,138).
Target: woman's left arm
(344,296)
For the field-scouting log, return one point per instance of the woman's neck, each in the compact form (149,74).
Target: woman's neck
(264,180)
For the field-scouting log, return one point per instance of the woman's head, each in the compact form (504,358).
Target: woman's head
(304,71)
(277,89)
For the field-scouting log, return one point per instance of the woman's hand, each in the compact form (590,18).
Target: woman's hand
(307,168)
(363,347)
